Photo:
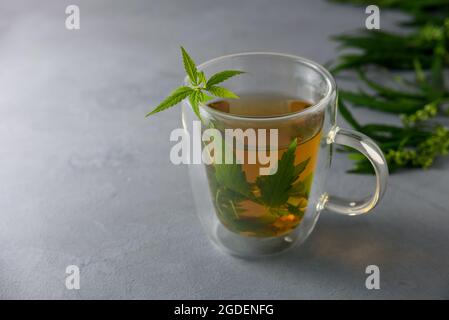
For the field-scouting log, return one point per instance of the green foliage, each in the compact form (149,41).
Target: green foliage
(419,104)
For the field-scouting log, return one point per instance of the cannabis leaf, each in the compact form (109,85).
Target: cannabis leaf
(189,66)
(174,98)
(195,98)
(221,92)
(198,85)
(222,76)
(302,188)
(275,189)
(300,168)
(232,177)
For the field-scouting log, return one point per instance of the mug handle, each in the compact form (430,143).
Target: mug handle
(371,150)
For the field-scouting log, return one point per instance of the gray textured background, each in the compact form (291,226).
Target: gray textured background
(86,180)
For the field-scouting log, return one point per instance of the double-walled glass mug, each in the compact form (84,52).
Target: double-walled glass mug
(248,214)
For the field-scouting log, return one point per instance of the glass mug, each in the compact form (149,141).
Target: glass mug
(242,224)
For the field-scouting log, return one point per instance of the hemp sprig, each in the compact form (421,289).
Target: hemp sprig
(197,87)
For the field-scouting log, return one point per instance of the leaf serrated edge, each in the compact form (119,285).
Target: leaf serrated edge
(189,66)
(222,76)
(174,98)
(222,92)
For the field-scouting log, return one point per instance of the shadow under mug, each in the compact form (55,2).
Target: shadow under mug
(249,229)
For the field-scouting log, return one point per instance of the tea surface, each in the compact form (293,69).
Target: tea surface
(261,105)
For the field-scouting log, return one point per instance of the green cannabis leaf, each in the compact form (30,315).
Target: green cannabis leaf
(221,92)
(174,98)
(190,67)
(232,177)
(198,85)
(282,195)
(222,76)
(275,189)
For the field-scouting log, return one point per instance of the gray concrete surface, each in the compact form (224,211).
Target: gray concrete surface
(86,180)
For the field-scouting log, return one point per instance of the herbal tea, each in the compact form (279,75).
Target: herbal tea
(267,205)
